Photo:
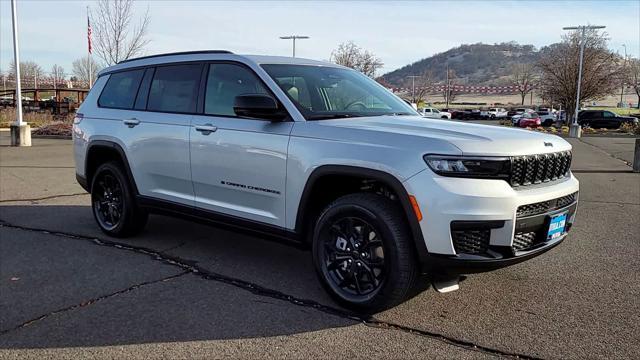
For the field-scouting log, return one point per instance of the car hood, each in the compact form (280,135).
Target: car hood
(471,139)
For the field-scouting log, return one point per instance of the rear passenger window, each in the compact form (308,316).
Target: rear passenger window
(224,83)
(174,89)
(120,90)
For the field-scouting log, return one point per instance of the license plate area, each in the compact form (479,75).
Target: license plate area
(557,225)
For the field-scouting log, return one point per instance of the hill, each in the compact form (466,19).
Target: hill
(477,64)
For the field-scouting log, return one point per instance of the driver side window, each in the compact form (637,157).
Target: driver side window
(224,83)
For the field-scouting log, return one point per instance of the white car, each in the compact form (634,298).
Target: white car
(434,113)
(284,148)
(547,118)
(497,113)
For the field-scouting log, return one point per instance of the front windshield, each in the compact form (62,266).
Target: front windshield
(321,92)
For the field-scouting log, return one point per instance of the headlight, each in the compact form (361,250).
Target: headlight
(472,167)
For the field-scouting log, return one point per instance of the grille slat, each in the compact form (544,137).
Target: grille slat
(546,206)
(473,242)
(536,169)
(524,241)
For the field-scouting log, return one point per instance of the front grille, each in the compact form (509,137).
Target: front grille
(524,241)
(471,241)
(536,169)
(546,206)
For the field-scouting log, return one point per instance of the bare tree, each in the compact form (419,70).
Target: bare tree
(448,92)
(57,75)
(633,77)
(116,37)
(559,67)
(81,69)
(351,55)
(30,73)
(523,76)
(423,84)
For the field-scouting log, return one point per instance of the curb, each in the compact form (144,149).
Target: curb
(59,137)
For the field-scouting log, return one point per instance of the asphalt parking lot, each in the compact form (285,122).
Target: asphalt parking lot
(186,290)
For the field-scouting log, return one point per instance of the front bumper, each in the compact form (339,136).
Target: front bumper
(490,209)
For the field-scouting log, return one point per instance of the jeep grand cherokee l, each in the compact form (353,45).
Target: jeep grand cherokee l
(319,154)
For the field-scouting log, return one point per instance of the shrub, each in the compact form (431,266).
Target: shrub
(630,128)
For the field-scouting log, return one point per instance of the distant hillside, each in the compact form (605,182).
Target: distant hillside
(477,64)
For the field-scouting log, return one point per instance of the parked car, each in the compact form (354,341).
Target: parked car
(471,114)
(547,118)
(434,113)
(279,147)
(603,119)
(529,119)
(497,113)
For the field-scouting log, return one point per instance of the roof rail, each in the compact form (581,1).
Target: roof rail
(179,53)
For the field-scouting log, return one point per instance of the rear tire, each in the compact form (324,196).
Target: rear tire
(113,202)
(363,252)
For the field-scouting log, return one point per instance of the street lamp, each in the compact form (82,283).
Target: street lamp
(575,130)
(294,38)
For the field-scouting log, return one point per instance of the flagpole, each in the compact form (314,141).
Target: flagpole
(89,48)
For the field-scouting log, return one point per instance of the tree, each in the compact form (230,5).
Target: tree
(57,75)
(351,55)
(558,65)
(448,92)
(116,37)
(81,69)
(632,75)
(30,72)
(523,76)
(423,84)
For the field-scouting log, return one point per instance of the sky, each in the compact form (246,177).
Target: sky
(398,32)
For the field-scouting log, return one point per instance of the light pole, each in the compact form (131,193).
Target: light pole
(294,38)
(413,87)
(575,130)
(20,131)
(624,68)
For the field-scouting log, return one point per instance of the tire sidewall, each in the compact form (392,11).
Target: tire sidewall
(127,203)
(388,243)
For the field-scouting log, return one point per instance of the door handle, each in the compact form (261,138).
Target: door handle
(206,129)
(131,122)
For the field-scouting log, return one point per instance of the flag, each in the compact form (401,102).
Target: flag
(89,34)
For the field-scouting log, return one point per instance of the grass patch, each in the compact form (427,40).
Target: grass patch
(35,119)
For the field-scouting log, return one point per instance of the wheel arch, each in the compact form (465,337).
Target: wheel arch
(305,212)
(101,151)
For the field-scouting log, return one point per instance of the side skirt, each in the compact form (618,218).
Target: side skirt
(223,221)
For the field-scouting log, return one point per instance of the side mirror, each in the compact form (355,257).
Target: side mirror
(258,106)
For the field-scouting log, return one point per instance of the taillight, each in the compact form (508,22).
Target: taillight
(78,118)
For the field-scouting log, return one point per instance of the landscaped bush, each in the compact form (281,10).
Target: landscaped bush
(630,128)
(57,129)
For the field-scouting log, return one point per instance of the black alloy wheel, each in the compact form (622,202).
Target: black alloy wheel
(353,257)
(363,252)
(107,201)
(113,202)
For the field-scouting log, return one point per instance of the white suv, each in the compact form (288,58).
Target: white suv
(322,155)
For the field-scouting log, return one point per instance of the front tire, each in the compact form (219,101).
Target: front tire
(363,253)
(113,202)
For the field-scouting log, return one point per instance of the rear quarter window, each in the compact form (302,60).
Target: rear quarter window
(120,90)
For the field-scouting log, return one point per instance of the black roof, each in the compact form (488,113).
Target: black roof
(179,53)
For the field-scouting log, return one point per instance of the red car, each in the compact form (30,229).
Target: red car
(529,120)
